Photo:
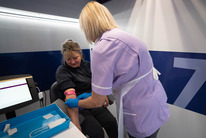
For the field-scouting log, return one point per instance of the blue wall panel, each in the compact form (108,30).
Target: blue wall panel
(41,65)
(180,74)
(175,77)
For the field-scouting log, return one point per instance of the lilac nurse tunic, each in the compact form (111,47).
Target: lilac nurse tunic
(118,58)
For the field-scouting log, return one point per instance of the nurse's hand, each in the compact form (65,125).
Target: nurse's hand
(72,103)
(84,95)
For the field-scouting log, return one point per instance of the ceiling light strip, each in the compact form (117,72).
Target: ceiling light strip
(35,15)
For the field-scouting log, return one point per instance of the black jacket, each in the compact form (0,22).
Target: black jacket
(78,78)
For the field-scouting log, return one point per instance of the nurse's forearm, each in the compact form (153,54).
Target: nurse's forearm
(93,101)
(87,103)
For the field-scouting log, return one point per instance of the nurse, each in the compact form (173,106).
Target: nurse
(121,65)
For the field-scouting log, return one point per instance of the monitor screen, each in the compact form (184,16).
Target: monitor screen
(16,92)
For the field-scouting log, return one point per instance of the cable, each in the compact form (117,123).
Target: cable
(38,89)
(45,98)
(41,97)
(41,103)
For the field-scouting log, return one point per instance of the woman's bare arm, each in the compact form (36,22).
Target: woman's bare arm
(73,112)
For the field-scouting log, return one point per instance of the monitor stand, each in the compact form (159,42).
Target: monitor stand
(10,115)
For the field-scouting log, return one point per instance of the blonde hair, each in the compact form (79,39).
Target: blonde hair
(95,19)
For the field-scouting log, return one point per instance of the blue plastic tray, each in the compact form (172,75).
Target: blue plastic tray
(34,124)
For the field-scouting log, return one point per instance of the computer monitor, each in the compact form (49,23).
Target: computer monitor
(16,91)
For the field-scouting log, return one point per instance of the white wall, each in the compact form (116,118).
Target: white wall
(23,34)
(164,25)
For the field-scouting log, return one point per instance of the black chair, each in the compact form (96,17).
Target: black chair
(54,92)
(55,99)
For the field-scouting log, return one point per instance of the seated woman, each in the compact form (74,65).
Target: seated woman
(74,79)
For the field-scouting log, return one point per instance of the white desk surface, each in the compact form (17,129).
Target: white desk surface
(71,132)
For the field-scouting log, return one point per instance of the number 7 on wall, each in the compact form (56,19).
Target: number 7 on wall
(195,82)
